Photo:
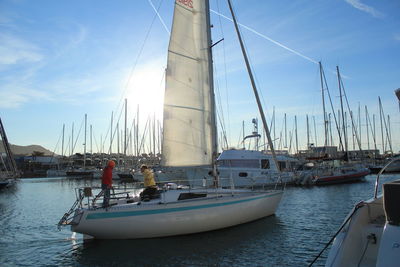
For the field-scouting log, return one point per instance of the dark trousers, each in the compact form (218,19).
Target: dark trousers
(106,197)
(148,192)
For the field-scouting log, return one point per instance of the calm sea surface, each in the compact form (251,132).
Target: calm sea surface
(305,221)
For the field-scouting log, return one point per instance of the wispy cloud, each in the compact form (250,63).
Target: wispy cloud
(14,50)
(365,8)
(13,97)
(396,36)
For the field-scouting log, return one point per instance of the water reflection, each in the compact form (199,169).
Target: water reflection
(222,248)
(306,219)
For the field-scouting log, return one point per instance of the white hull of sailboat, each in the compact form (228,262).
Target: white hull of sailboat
(133,221)
(370,236)
(348,247)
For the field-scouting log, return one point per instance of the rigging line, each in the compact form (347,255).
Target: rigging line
(359,205)
(220,115)
(79,132)
(95,142)
(55,148)
(222,128)
(268,38)
(351,115)
(113,134)
(139,54)
(225,71)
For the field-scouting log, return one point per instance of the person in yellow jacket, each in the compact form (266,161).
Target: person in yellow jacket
(149,183)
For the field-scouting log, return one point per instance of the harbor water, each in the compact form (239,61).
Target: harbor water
(306,220)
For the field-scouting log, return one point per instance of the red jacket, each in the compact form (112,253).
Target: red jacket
(107,176)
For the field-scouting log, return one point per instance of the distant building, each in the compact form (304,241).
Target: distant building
(35,166)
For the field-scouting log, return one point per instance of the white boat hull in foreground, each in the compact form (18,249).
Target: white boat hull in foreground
(157,219)
(371,233)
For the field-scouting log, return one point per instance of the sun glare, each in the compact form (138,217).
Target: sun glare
(146,91)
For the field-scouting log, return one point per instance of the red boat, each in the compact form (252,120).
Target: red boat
(344,174)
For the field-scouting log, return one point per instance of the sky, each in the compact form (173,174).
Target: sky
(60,60)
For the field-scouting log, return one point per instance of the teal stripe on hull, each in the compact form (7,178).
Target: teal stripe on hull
(109,215)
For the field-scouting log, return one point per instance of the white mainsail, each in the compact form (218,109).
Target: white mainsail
(189,122)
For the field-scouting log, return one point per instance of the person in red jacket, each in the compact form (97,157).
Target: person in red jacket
(106,182)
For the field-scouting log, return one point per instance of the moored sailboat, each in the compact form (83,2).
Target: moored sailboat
(9,171)
(190,141)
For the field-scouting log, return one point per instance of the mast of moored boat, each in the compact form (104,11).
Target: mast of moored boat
(84,144)
(286,132)
(267,132)
(308,133)
(323,106)
(214,135)
(8,151)
(342,113)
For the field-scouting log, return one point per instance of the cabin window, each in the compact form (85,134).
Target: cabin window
(184,196)
(265,164)
(239,163)
(282,165)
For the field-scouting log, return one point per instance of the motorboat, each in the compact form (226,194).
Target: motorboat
(252,167)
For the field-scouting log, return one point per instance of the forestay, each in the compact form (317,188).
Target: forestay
(188,126)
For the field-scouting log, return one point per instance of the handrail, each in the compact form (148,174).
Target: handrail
(380,172)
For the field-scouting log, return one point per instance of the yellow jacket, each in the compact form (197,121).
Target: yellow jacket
(148,178)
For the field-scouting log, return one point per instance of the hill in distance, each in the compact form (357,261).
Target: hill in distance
(26,150)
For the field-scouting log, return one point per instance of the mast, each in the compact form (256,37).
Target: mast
(389,132)
(62,144)
(366,123)
(154,134)
(343,120)
(84,144)
(337,120)
(374,128)
(387,127)
(214,133)
(285,133)
(308,133)
(7,149)
(91,141)
(323,106)
(380,116)
(125,134)
(137,131)
(273,116)
(111,132)
(254,87)
(118,143)
(339,131)
(72,140)
(315,131)
(352,132)
(359,122)
(330,129)
(297,140)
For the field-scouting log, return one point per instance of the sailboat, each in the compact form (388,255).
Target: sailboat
(189,141)
(334,171)
(9,171)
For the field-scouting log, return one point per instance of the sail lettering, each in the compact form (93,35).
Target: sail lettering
(188,3)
